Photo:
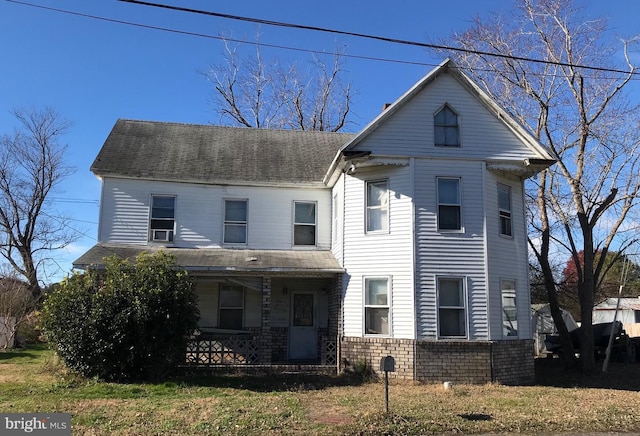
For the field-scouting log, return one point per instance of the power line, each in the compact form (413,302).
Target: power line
(374,37)
(219,38)
(283,47)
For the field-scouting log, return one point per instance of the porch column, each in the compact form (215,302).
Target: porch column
(265,330)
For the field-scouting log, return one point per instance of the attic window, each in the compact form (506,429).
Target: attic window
(445,128)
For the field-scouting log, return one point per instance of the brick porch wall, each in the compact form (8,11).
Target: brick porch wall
(474,362)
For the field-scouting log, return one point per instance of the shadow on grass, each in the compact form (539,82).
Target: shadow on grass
(619,375)
(22,355)
(271,382)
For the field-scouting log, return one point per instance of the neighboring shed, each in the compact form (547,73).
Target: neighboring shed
(542,324)
(628,313)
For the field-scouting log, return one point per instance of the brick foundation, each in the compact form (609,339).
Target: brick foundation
(476,362)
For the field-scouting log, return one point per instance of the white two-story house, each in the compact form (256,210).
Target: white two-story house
(406,239)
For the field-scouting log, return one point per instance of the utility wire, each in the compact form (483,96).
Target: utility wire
(374,37)
(322,52)
(219,38)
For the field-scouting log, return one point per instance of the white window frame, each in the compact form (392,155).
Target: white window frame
(508,289)
(461,307)
(367,306)
(383,206)
(302,224)
(156,231)
(226,287)
(504,211)
(441,203)
(445,128)
(236,223)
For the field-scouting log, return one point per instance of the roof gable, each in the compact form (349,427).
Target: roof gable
(214,154)
(532,156)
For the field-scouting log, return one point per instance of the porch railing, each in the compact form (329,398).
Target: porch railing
(223,350)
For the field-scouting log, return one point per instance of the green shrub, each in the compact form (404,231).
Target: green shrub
(129,322)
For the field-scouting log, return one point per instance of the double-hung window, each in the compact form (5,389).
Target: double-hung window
(163,218)
(504,209)
(304,223)
(377,206)
(449,204)
(376,305)
(452,313)
(235,222)
(445,128)
(509,308)
(231,307)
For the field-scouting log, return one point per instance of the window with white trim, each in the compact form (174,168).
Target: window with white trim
(376,305)
(445,128)
(452,313)
(504,209)
(231,307)
(162,222)
(235,222)
(509,308)
(449,204)
(377,206)
(304,223)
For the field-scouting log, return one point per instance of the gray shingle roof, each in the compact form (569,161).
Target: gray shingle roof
(213,154)
(217,260)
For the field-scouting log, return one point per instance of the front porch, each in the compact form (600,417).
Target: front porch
(255,322)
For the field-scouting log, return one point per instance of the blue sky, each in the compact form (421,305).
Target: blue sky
(94,72)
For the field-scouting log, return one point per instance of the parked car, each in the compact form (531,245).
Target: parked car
(601,334)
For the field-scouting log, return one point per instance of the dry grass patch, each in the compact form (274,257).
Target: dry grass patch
(253,405)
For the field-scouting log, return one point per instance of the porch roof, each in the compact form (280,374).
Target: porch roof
(216,260)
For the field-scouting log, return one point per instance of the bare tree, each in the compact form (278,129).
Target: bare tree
(254,92)
(32,164)
(585,202)
(16,302)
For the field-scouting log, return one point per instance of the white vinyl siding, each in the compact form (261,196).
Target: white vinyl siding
(338,209)
(450,254)
(409,132)
(388,254)
(506,257)
(125,212)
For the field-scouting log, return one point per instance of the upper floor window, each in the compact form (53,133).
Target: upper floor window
(445,128)
(449,205)
(504,209)
(451,308)
(509,308)
(231,307)
(304,223)
(235,222)
(163,221)
(376,305)
(377,206)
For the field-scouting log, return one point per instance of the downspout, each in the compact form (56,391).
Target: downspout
(412,171)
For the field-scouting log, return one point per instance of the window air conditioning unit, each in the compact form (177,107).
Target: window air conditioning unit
(162,235)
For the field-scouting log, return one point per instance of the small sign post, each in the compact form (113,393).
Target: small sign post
(387,364)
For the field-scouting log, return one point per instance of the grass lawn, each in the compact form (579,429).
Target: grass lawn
(32,381)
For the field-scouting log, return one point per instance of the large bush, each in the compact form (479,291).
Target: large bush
(130,321)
